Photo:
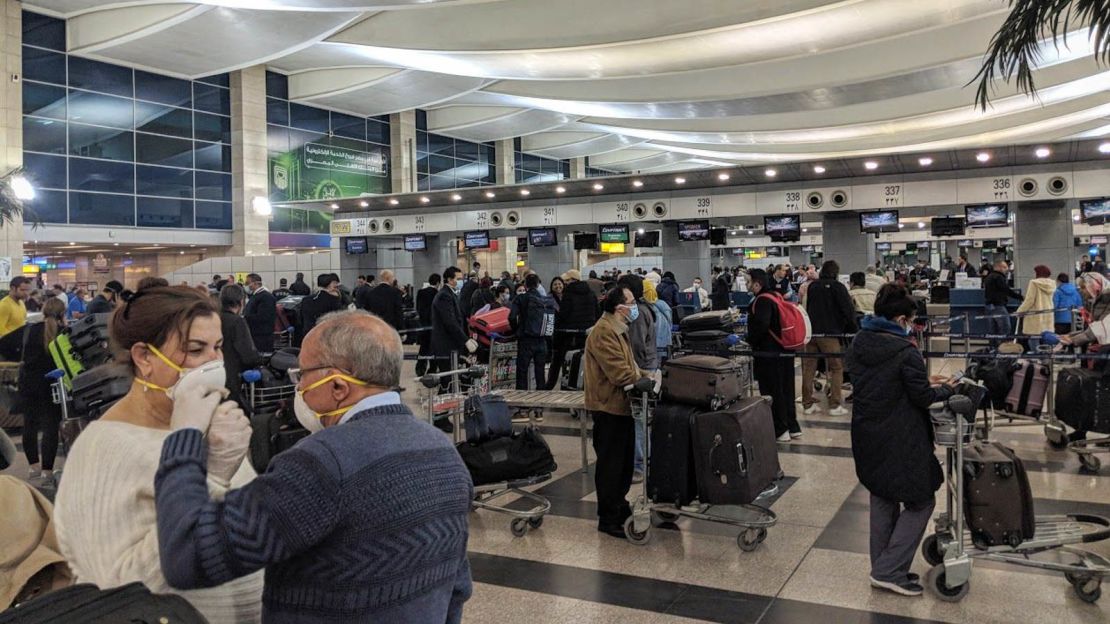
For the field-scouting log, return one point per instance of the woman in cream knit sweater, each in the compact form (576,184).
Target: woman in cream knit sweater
(104,509)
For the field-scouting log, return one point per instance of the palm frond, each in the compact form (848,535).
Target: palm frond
(11,207)
(1015,51)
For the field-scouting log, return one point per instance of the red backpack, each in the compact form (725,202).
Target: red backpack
(796,330)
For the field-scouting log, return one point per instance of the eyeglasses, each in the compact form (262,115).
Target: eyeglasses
(297,374)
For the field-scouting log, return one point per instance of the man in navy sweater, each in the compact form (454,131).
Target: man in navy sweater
(363,521)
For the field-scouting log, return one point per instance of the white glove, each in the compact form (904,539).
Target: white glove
(657,375)
(194,404)
(229,437)
(471,345)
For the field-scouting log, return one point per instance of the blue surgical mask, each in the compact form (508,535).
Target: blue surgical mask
(633,313)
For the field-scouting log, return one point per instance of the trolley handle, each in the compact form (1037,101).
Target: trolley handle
(251,376)
(431,380)
(55,374)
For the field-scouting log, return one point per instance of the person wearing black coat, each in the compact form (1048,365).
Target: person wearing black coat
(448,323)
(773,372)
(239,349)
(830,311)
(105,302)
(424,298)
(384,300)
(40,413)
(578,311)
(668,289)
(721,291)
(469,286)
(298,287)
(319,303)
(260,314)
(892,436)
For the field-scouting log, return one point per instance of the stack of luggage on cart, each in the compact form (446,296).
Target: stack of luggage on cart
(719,333)
(493,452)
(92,382)
(269,396)
(1017,387)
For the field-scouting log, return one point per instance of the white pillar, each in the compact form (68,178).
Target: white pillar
(505,153)
(11,120)
(250,231)
(402,151)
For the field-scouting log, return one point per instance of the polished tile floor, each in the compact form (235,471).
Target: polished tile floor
(813,567)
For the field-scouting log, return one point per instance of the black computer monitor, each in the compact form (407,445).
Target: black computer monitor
(948,226)
(476,239)
(1095,211)
(648,238)
(718,236)
(693,230)
(987,215)
(415,242)
(878,221)
(784,229)
(882,246)
(617,233)
(543,237)
(585,241)
(355,245)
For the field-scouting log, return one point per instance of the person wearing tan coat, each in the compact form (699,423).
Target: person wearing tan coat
(31,563)
(1038,296)
(610,370)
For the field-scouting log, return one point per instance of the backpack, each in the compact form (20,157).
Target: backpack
(796,330)
(62,353)
(539,316)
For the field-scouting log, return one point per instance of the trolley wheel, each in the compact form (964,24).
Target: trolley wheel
(750,539)
(1056,439)
(1089,589)
(536,522)
(936,584)
(638,538)
(519,527)
(667,516)
(930,550)
(1090,462)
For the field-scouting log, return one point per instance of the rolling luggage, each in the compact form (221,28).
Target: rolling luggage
(519,456)
(721,320)
(89,339)
(486,417)
(1083,399)
(86,604)
(1028,390)
(704,381)
(61,351)
(274,429)
(711,342)
(996,375)
(998,502)
(735,453)
(670,474)
(572,374)
(939,294)
(495,321)
(94,391)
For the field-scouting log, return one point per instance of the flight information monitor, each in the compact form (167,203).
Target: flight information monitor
(477,239)
(987,215)
(614,233)
(415,242)
(788,228)
(879,221)
(693,230)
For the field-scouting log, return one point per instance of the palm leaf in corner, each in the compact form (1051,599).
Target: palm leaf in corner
(11,206)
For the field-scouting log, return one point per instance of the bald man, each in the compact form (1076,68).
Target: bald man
(384,300)
(365,520)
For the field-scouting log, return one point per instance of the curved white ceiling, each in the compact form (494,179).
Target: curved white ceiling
(636,85)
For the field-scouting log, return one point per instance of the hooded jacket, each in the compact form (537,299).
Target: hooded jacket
(668,291)
(579,308)
(609,367)
(892,435)
(830,307)
(1067,296)
(1038,296)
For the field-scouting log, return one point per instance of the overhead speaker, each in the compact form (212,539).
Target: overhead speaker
(387,225)
(495,219)
(659,209)
(1057,185)
(373,226)
(512,218)
(640,210)
(839,199)
(1028,187)
(815,200)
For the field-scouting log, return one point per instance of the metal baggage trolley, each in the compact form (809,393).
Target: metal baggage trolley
(453,405)
(259,396)
(752,518)
(950,549)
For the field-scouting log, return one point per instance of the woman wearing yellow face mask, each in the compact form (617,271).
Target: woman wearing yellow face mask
(170,339)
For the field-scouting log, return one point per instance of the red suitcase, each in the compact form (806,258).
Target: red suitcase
(1030,386)
(495,321)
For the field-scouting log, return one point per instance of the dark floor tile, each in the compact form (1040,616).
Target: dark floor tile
(796,612)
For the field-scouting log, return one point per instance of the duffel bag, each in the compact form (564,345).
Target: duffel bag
(519,456)
(996,375)
(486,417)
(86,604)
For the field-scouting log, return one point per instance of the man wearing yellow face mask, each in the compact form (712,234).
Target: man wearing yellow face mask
(365,520)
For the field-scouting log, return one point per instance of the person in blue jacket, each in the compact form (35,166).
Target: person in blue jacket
(1066,299)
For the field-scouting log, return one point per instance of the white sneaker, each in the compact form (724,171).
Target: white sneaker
(784,437)
(795,435)
(812,409)
(838,411)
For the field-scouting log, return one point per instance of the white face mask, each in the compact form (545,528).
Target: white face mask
(306,415)
(209,374)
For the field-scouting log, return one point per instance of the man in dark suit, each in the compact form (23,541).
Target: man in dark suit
(384,300)
(299,287)
(106,301)
(424,298)
(448,323)
(358,293)
(260,314)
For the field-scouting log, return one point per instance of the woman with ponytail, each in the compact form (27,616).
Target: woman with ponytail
(40,413)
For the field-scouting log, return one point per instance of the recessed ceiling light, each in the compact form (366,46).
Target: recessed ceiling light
(870,165)
(818,169)
(72,243)
(560,189)
(901,225)
(925,161)
(114,244)
(680,180)
(749,231)
(1104,148)
(804,230)
(732,233)
(425,199)
(394,201)
(920,225)
(723,177)
(770,173)
(599,186)
(525,192)
(364,204)
(181,252)
(1043,152)
(637,183)
(640,231)
(191,245)
(1075,218)
(335,206)
(982,157)
(491,194)
(456,197)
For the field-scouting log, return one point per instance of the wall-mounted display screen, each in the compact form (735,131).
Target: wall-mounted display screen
(964,243)
(415,242)
(880,221)
(614,233)
(542,237)
(990,244)
(774,251)
(809,248)
(477,239)
(911,246)
(649,238)
(718,236)
(948,226)
(522,244)
(693,230)
(585,241)
(1095,211)
(882,246)
(1098,240)
(987,215)
(1006,242)
(356,245)
(788,228)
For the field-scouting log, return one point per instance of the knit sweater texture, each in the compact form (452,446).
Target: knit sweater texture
(362,522)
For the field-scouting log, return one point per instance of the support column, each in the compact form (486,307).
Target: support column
(1042,235)
(250,232)
(402,151)
(843,242)
(577,168)
(686,259)
(439,255)
(549,262)
(11,121)
(505,153)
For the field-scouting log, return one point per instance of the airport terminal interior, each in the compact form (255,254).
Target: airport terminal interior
(735,311)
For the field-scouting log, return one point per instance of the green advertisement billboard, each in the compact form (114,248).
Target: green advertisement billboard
(329,168)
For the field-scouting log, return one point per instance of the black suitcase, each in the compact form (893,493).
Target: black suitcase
(86,604)
(94,391)
(736,455)
(273,429)
(723,320)
(939,294)
(572,373)
(998,502)
(705,381)
(1083,399)
(486,417)
(996,375)
(670,474)
(712,342)
(519,456)
(89,331)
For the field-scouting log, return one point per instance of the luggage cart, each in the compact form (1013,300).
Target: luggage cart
(453,405)
(259,397)
(950,549)
(752,518)
(69,427)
